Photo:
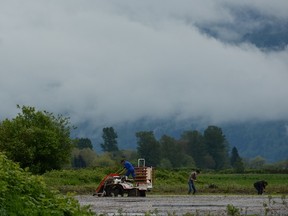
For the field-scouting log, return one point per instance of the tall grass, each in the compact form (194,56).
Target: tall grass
(85,181)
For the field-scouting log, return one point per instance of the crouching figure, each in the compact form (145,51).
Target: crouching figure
(260,186)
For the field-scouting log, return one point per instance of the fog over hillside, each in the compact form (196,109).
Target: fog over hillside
(116,63)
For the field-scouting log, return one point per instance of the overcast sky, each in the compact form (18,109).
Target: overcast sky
(113,61)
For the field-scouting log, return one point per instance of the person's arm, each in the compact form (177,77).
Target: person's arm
(194,177)
(121,171)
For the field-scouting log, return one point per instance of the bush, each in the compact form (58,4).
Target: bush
(36,139)
(24,194)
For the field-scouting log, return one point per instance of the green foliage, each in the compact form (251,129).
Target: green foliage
(195,146)
(82,158)
(168,148)
(110,140)
(236,161)
(170,181)
(37,140)
(80,181)
(129,155)
(170,152)
(105,160)
(208,151)
(165,163)
(257,163)
(217,146)
(24,194)
(187,161)
(82,143)
(148,147)
(232,210)
(265,138)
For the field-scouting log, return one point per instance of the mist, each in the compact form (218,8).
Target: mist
(109,62)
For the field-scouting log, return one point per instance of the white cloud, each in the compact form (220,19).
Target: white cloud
(114,61)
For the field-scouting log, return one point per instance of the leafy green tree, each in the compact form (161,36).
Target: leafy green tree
(82,158)
(208,161)
(257,163)
(36,139)
(188,161)
(217,146)
(130,155)
(148,147)
(165,163)
(170,151)
(110,140)
(236,161)
(105,160)
(195,146)
(78,162)
(82,143)
(280,165)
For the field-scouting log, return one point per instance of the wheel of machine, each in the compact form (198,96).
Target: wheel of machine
(108,191)
(132,192)
(142,193)
(117,190)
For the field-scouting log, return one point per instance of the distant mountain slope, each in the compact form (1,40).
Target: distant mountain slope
(267,139)
(249,26)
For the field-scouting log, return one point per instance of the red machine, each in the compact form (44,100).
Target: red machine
(116,185)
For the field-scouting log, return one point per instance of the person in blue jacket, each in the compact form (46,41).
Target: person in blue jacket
(129,168)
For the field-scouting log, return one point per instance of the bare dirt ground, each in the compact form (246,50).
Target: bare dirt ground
(186,204)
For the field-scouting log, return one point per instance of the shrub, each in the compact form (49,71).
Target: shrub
(22,193)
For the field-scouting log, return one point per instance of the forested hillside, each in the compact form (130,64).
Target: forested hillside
(267,139)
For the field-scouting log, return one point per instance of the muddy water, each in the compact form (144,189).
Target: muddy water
(180,205)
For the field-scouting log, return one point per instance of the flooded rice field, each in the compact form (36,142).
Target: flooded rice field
(187,204)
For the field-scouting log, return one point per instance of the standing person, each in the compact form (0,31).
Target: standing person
(191,181)
(129,168)
(260,186)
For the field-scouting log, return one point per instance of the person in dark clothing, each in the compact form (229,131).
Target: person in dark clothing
(191,181)
(260,186)
(129,168)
